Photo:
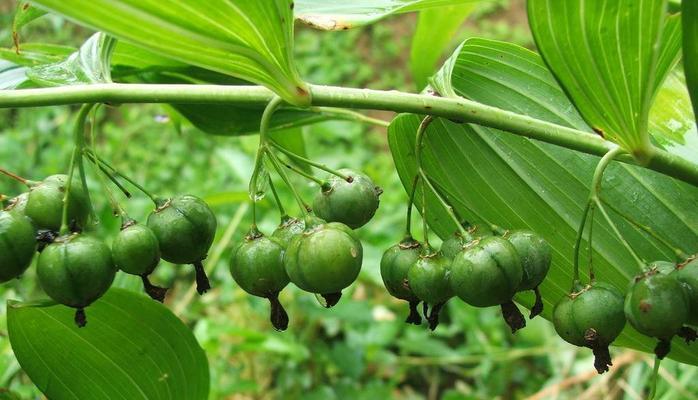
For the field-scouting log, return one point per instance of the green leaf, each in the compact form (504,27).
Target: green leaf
(690,49)
(334,15)
(610,58)
(11,75)
(90,64)
(519,183)
(672,123)
(25,14)
(251,40)
(131,348)
(436,28)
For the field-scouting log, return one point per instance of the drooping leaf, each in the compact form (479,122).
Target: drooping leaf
(435,30)
(24,14)
(251,40)
(690,49)
(11,75)
(334,15)
(610,57)
(131,348)
(519,183)
(90,64)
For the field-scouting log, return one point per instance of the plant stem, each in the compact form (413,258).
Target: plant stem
(14,176)
(592,202)
(678,252)
(427,246)
(331,96)
(117,210)
(308,161)
(277,200)
(302,173)
(90,156)
(410,203)
(113,170)
(284,177)
(349,115)
(273,105)
(78,134)
(419,142)
(590,261)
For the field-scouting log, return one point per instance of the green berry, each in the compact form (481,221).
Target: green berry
(592,317)
(454,244)
(257,266)
(428,278)
(45,203)
(185,227)
(352,201)
(75,271)
(395,264)
(687,274)
(487,272)
(136,250)
(288,229)
(535,254)
(17,245)
(324,259)
(657,305)
(18,204)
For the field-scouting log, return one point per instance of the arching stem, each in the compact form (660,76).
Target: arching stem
(117,210)
(304,160)
(114,171)
(78,133)
(100,167)
(591,202)
(410,204)
(273,105)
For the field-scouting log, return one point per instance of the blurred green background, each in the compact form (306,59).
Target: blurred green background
(361,349)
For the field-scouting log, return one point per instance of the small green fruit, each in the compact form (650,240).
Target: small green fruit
(687,274)
(536,255)
(351,201)
(324,259)
(395,264)
(487,273)
(75,271)
(18,204)
(428,278)
(657,306)
(185,227)
(17,245)
(288,229)
(136,251)
(45,203)
(257,266)
(593,318)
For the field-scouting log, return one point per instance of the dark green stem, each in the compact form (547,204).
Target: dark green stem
(114,171)
(78,134)
(284,177)
(277,200)
(273,105)
(410,204)
(306,161)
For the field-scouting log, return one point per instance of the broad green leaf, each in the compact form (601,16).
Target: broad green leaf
(334,15)
(11,75)
(690,49)
(610,57)
(672,123)
(132,348)
(519,183)
(90,64)
(25,14)
(436,28)
(251,40)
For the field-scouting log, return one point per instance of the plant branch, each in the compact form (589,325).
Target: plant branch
(331,96)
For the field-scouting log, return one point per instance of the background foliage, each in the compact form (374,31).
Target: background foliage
(361,348)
